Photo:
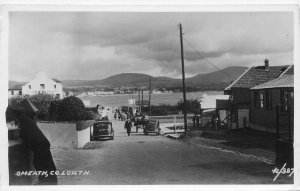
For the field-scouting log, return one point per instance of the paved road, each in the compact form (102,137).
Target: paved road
(140,159)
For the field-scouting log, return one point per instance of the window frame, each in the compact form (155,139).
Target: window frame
(42,86)
(261,100)
(268,98)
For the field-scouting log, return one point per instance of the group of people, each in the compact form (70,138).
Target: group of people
(119,115)
(137,121)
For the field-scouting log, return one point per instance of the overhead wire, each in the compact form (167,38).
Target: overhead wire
(204,58)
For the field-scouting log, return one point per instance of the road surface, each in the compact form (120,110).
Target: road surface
(147,160)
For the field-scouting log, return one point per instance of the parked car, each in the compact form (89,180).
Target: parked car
(102,129)
(151,126)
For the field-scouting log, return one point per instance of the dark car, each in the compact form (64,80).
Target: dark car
(102,129)
(151,126)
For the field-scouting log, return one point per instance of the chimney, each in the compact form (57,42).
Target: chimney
(266,64)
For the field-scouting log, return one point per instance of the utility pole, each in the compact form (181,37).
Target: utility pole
(183,79)
(142,97)
(150,97)
(139,98)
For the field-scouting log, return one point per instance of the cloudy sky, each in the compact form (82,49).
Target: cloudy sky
(96,45)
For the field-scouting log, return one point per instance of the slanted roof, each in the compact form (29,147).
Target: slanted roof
(257,75)
(16,87)
(289,70)
(56,80)
(285,81)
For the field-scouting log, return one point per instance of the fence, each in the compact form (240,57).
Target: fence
(172,118)
(285,121)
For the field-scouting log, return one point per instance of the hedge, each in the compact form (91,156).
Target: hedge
(40,101)
(70,109)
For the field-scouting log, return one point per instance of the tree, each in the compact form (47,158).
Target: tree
(73,109)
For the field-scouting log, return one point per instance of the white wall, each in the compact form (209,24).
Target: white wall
(16,93)
(83,137)
(42,78)
(60,134)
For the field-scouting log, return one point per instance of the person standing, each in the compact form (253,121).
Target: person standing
(194,120)
(36,141)
(197,120)
(128,125)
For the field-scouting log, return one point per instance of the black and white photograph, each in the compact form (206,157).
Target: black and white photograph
(149,96)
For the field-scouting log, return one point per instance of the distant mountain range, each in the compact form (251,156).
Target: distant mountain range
(218,79)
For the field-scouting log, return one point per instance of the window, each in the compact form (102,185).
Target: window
(261,100)
(268,100)
(286,99)
(42,86)
(54,86)
(12,92)
(57,96)
(29,86)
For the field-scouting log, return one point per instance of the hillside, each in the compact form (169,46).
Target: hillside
(222,76)
(218,79)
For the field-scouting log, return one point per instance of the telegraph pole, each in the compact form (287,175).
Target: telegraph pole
(183,79)
(150,97)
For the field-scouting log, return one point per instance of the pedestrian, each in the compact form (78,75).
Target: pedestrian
(35,141)
(128,125)
(194,121)
(197,120)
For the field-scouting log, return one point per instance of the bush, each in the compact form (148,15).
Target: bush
(56,110)
(15,102)
(70,109)
(42,103)
(73,109)
(192,105)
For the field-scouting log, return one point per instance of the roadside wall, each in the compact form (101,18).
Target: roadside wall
(67,134)
(83,132)
(62,135)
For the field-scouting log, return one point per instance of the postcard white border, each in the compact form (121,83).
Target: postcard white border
(140,6)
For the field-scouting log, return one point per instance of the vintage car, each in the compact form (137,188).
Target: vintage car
(151,126)
(102,129)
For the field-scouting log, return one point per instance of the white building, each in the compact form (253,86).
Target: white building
(209,101)
(15,91)
(43,84)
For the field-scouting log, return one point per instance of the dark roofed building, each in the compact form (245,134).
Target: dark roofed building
(15,91)
(269,99)
(16,87)
(257,75)
(239,90)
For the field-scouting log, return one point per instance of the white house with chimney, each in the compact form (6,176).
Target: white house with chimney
(43,84)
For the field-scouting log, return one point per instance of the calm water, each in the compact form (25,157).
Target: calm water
(122,99)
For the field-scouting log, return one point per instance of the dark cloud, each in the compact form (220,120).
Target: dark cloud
(104,43)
